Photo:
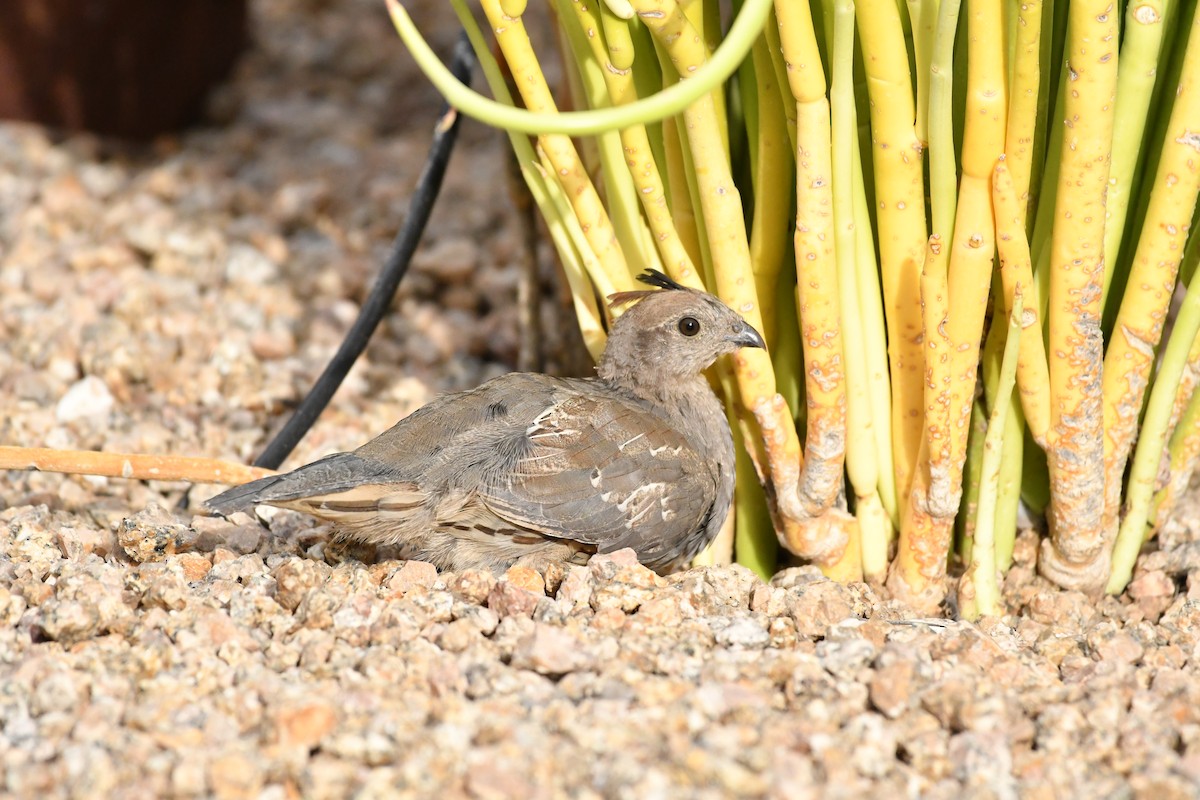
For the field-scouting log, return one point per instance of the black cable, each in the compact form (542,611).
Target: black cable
(386,283)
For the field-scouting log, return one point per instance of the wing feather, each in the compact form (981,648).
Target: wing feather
(606,472)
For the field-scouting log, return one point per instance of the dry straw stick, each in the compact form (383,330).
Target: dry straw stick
(129,465)
(1076,555)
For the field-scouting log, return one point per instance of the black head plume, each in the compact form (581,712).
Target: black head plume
(655,278)
(652,277)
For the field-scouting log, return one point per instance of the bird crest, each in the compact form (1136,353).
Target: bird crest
(651,277)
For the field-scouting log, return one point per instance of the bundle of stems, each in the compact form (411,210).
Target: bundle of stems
(959,224)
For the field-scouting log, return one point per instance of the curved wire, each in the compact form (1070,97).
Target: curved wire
(388,280)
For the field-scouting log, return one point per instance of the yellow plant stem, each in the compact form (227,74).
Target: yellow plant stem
(755,551)
(927,528)
(578,260)
(1023,101)
(568,169)
(869,320)
(774,43)
(617,59)
(806,488)
(1147,295)
(1033,373)
(574,252)
(979,590)
(683,214)
(900,206)
(772,186)
(1077,555)
(922,16)
(720,201)
(608,159)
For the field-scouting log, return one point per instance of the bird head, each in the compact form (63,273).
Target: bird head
(672,331)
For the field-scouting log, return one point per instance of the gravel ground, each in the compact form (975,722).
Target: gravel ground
(178,298)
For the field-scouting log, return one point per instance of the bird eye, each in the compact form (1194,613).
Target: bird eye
(689,326)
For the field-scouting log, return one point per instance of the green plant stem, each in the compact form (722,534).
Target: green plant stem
(1140,48)
(755,545)
(943,171)
(670,101)
(1152,440)
(982,598)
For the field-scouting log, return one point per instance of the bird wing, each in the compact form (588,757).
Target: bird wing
(605,471)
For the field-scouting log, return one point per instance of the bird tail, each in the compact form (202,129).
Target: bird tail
(336,473)
(241,498)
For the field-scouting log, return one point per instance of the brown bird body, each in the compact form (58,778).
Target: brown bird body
(530,468)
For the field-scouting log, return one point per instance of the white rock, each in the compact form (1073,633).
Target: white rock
(85,399)
(248,265)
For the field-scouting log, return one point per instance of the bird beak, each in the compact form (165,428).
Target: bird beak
(746,336)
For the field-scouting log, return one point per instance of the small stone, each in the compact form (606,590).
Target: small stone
(575,589)
(273,344)
(623,586)
(494,779)
(295,578)
(509,600)
(247,264)
(1155,583)
(234,776)
(449,260)
(69,621)
(744,633)
(76,542)
(607,564)
(527,578)
(195,566)
(1122,647)
(88,398)
(473,585)
(189,777)
(891,688)
(414,576)
(817,605)
(550,650)
(662,611)
(554,573)
(459,635)
(305,724)
(152,534)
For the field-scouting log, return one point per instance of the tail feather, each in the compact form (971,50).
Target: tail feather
(240,498)
(335,473)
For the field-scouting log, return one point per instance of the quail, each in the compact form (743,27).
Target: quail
(532,469)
